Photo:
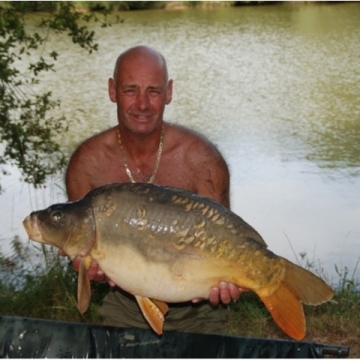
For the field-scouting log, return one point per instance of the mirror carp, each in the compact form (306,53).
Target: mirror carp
(163,245)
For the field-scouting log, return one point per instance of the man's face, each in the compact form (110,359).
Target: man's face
(141,93)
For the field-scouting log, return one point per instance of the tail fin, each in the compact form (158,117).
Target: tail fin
(298,286)
(307,287)
(286,311)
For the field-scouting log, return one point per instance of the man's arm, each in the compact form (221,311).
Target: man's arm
(213,180)
(78,184)
(77,179)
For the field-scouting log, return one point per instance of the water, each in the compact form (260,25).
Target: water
(276,88)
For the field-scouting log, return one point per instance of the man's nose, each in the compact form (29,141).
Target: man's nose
(143,101)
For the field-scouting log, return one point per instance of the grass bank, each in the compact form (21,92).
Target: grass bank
(334,323)
(37,283)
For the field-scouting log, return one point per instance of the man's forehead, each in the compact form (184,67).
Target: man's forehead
(133,76)
(139,64)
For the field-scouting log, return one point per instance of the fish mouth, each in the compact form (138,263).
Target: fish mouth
(32,229)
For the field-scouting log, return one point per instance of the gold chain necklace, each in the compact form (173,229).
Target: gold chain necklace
(128,172)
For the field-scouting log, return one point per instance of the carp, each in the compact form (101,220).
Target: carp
(164,245)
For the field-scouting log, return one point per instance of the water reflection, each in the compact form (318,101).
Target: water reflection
(275,87)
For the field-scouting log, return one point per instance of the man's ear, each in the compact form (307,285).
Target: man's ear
(169,90)
(112,90)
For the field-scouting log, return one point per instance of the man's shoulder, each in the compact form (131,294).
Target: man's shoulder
(94,146)
(103,136)
(189,137)
(206,170)
(195,147)
(99,140)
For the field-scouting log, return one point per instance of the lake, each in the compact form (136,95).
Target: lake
(275,87)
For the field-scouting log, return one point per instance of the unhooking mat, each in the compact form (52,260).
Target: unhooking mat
(36,338)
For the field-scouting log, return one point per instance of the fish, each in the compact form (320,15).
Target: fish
(168,245)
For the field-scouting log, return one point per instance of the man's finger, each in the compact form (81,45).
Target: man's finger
(225,296)
(214,298)
(234,292)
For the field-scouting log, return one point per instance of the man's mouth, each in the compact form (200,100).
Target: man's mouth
(142,117)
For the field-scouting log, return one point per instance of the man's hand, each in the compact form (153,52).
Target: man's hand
(224,293)
(94,271)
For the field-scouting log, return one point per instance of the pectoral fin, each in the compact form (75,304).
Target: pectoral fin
(163,307)
(84,287)
(153,312)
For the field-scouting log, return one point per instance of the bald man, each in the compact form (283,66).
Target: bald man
(144,148)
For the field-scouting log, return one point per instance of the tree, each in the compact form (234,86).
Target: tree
(27,128)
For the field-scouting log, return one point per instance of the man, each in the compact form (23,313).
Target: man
(144,148)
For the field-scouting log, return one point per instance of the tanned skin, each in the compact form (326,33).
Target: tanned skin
(141,90)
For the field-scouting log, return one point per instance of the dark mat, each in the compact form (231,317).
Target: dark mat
(37,338)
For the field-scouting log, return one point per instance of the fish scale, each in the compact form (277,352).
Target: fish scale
(163,245)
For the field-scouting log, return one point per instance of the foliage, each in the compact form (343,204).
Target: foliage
(36,282)
(112,6)
(249,317)
(138,5)
(100,5)
(346,282)
(244,3)
(27,128)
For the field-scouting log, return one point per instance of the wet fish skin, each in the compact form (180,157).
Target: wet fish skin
(171,245)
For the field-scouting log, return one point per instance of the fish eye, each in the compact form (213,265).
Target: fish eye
(56,216)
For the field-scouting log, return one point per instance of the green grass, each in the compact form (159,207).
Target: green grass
(334,323)
(36,282)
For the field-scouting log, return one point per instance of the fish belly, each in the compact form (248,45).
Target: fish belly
(183,279)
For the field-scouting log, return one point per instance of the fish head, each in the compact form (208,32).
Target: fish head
(68,226)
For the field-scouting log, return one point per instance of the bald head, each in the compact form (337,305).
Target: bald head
(140,87)
(141,53)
